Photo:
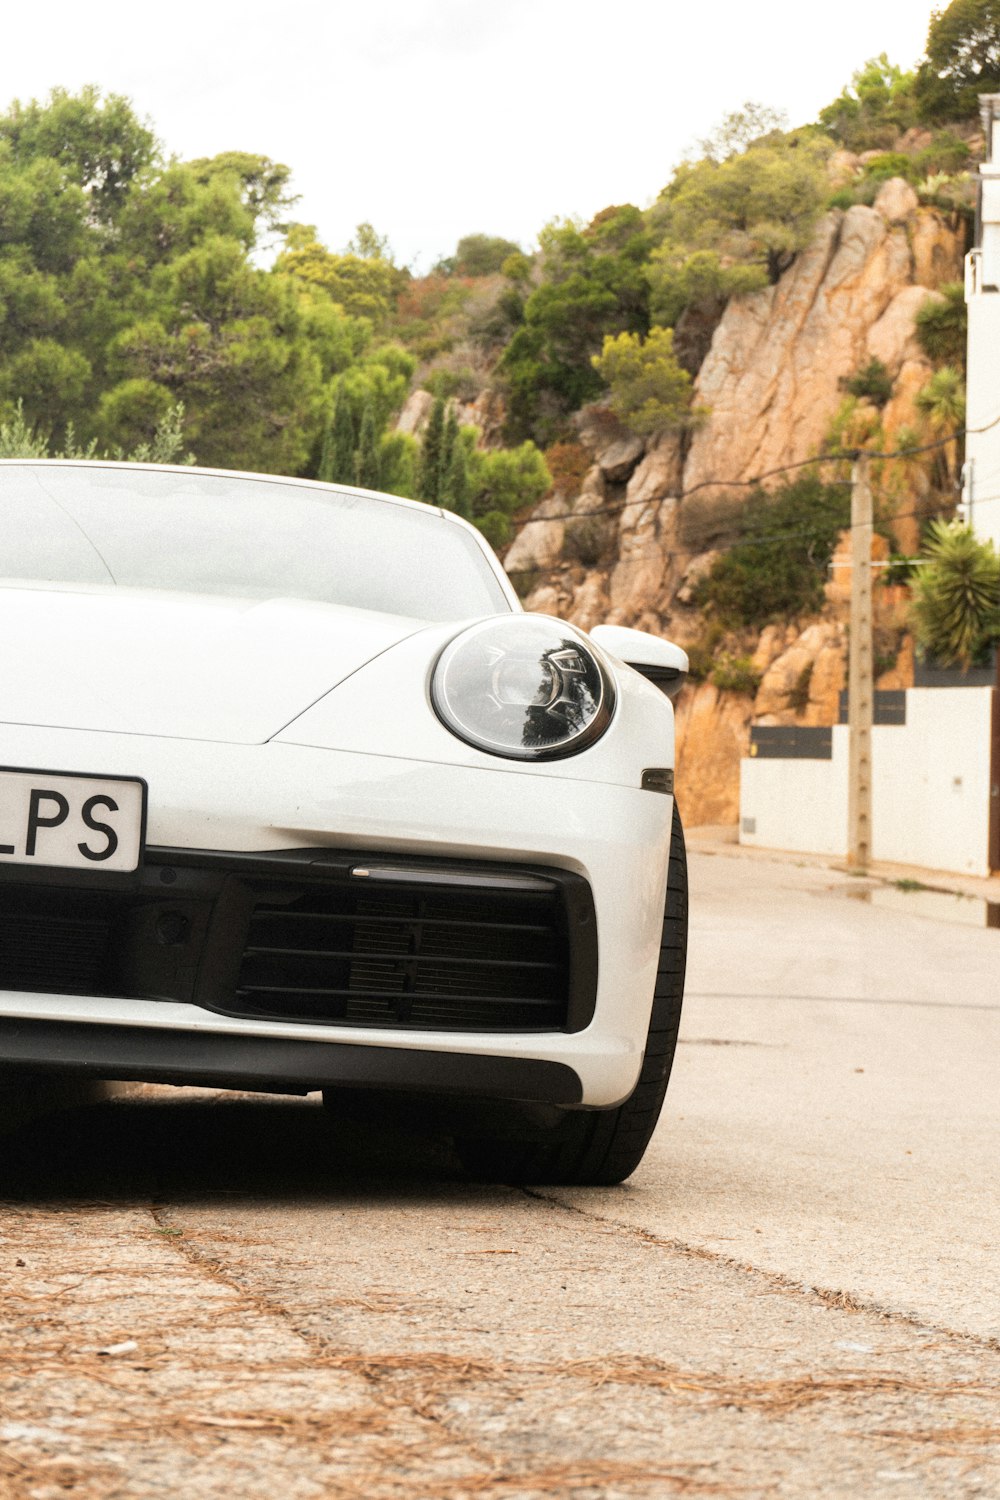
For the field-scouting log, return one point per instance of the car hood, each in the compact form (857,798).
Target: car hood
(180,666)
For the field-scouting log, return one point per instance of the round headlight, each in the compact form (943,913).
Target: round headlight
(525,687)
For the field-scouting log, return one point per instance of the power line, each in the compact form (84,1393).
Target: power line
(751,541)
(845,456)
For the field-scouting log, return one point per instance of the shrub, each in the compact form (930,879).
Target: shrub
(777,568)
(946,153)
(678,281)
(649,390)
(455,380)
(873,383)
(942,327)
(956,602)
(892,164)
(567,463)
(703,651)
(735,674)
(164,444)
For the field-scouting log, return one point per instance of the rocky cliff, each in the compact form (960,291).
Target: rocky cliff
(630,544)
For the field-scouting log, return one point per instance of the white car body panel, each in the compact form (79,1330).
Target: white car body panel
(128,662)
(286,725)
(250,798)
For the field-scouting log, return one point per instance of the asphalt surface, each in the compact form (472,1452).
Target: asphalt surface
(796,1294)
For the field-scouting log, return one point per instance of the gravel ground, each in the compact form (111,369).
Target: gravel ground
(205,1295)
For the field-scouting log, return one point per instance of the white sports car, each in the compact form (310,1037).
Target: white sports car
(295,796)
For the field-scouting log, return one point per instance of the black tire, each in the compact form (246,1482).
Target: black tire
(600,1147)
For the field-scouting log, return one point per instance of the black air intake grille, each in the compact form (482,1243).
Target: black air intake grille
(396,954)
(63,945)
(304,935)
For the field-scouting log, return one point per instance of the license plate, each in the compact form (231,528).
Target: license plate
(71,822)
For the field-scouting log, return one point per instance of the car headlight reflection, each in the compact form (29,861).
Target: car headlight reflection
(527,688)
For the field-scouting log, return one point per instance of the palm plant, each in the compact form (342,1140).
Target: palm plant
(956,603)
(942,402)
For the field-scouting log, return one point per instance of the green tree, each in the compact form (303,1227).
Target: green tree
(501,483)
(98,144)
(874,109)
(339,442)
(594,283)
(741,128)
(777,567)
(380,378)
(699,284)
(455,488)
(400,456)
(367,244)
(649,390)
(871,383)
(759,207)
(368,461)
(363,285)
(962,60)
(230,339)
(260,184)
(429,481)
(956,599)
(479,255)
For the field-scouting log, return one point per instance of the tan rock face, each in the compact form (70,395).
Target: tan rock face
(892,339)
(416,410)
(539,544)
(828,679)
(618,461)
(713,734)
(773,382)
(772,378)
(936,253)
(896,201)
(802,682)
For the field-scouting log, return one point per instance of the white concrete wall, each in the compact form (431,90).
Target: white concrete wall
(982,449)
(930,788)
(796,804)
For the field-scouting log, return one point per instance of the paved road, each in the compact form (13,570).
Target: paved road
(796,1295)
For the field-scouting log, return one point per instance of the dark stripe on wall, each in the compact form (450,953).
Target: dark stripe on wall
(889,707)
(791,742)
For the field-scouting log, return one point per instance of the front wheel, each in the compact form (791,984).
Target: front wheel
(597,1148)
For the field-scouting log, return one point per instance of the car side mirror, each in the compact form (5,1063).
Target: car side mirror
(663,663)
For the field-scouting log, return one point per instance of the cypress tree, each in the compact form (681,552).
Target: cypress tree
(456,494)
(368,459)
(337,464)
(429,487)
(449,438)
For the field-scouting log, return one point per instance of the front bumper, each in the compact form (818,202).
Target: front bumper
(284,797)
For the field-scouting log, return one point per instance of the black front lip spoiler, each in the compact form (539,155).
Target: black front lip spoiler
(143,1054)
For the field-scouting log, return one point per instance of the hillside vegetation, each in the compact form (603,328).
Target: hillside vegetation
(135,298)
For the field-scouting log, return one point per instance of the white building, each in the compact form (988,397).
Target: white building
(981,494)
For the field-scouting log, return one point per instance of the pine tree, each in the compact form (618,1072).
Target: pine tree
(368,459)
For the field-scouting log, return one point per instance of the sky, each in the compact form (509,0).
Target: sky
(432,119)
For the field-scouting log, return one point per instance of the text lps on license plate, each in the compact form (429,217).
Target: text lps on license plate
(75,822)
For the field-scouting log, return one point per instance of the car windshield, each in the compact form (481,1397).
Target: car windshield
(88,524)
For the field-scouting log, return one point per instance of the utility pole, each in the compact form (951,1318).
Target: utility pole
(860,679)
